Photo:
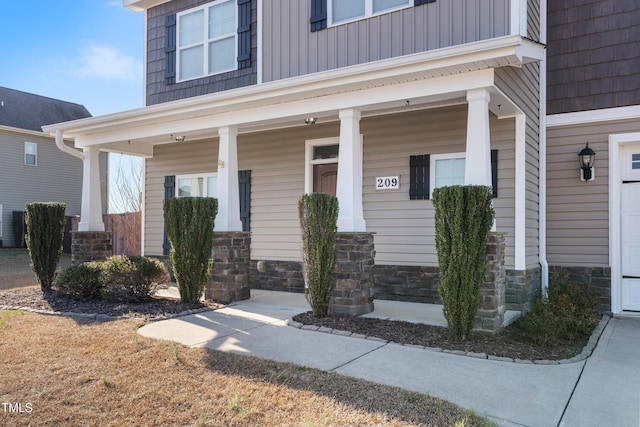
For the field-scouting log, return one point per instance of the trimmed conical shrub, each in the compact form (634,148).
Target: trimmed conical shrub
(45,233)
(463,219)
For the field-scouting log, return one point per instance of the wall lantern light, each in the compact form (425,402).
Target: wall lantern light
(586,158)
(310,120)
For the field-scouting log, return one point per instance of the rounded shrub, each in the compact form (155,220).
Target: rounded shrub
(83,281)
(133,278)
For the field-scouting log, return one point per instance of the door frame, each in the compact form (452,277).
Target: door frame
(309,162)
(616,142)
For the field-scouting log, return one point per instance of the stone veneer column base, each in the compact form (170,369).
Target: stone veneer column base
(523,287)
(229,280)
(353,294)
(90,246)
(490,314)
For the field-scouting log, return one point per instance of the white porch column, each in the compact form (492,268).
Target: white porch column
(349,182)
(477,170)
(228,218)
(91,207)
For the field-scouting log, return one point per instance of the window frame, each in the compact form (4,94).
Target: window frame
(204,177)
(206,41)
(368,12)
(35,155)
(309,161)
(432,167)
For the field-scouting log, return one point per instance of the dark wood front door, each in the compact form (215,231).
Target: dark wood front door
(325,178)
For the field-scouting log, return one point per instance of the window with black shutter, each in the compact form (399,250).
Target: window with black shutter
(170,50)
(244,34)
(169,192)
(419,188)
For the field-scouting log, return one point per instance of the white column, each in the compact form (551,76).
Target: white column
(228,218)
(477,170)
(91,207)
(349,184)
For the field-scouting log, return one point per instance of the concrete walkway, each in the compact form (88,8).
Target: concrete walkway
(604,390)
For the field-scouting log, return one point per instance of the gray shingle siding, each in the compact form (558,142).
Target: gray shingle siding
(593,54)
(158,91)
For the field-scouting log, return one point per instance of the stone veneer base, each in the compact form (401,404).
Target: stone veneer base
(229,279)
(90,246)
(597,278)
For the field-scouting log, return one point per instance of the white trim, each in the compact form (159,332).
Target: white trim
(349,180)
(602,115)
(35,154)
(518,17)
(0,221)
(145,58)
(259,41)
(368,12)
(615,183)
(143,207)
(433,158)
(206,41)
(309,144)
(205,186)
(542,153)
(520,202)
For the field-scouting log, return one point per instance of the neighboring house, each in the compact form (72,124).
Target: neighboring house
(593,227)
(259,101)
(32,168)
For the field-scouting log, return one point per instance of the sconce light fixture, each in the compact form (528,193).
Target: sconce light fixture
(180,138)
(586,158)
(310,120)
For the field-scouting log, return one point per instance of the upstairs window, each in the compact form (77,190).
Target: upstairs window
(207,40)
(30,153)
(341,11)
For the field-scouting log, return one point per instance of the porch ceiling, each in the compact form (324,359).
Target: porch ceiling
(425,80)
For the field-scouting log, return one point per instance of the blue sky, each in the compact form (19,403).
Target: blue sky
(85,51)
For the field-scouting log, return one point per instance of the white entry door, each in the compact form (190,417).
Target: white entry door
(630,246)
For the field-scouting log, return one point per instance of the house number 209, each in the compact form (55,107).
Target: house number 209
(388,183)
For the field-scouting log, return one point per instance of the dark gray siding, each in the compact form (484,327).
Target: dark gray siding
(157,90)
(291,49)
(593,55)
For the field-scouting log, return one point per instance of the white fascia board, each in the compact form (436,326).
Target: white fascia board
(24,131)
(140,5)
(212,119)
(421,66)
(591,116)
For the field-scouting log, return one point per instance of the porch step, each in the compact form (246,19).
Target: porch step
(510,316)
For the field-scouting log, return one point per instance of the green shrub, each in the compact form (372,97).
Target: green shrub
(83,281)
(133,278)
(45,233)
(463,219)
(189,223)
(567,313)
(318,213)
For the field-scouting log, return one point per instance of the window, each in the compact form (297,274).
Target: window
(207,40)
(204,185)
(341,11)
(447,170)
(635,161)
(30,153)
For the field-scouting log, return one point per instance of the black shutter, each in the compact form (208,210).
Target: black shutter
(419,176)
(169,192)
(318,15)
(244,182)
(170,50)
(494,172)
(244,33)
(419,2)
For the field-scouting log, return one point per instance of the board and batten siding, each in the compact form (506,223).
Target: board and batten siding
(290,48)
(578,212)
(404,228)
(521,86)
(57,177)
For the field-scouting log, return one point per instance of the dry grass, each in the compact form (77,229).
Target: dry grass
(15,271)
(104,374)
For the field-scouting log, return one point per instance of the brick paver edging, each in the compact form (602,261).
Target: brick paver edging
(586,350)
(105,317)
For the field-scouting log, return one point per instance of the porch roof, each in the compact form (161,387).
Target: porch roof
(422,80)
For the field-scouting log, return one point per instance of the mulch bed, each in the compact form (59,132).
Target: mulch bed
(155,308)
(509,343)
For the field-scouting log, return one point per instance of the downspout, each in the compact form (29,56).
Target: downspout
(542,190)
(65,148)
